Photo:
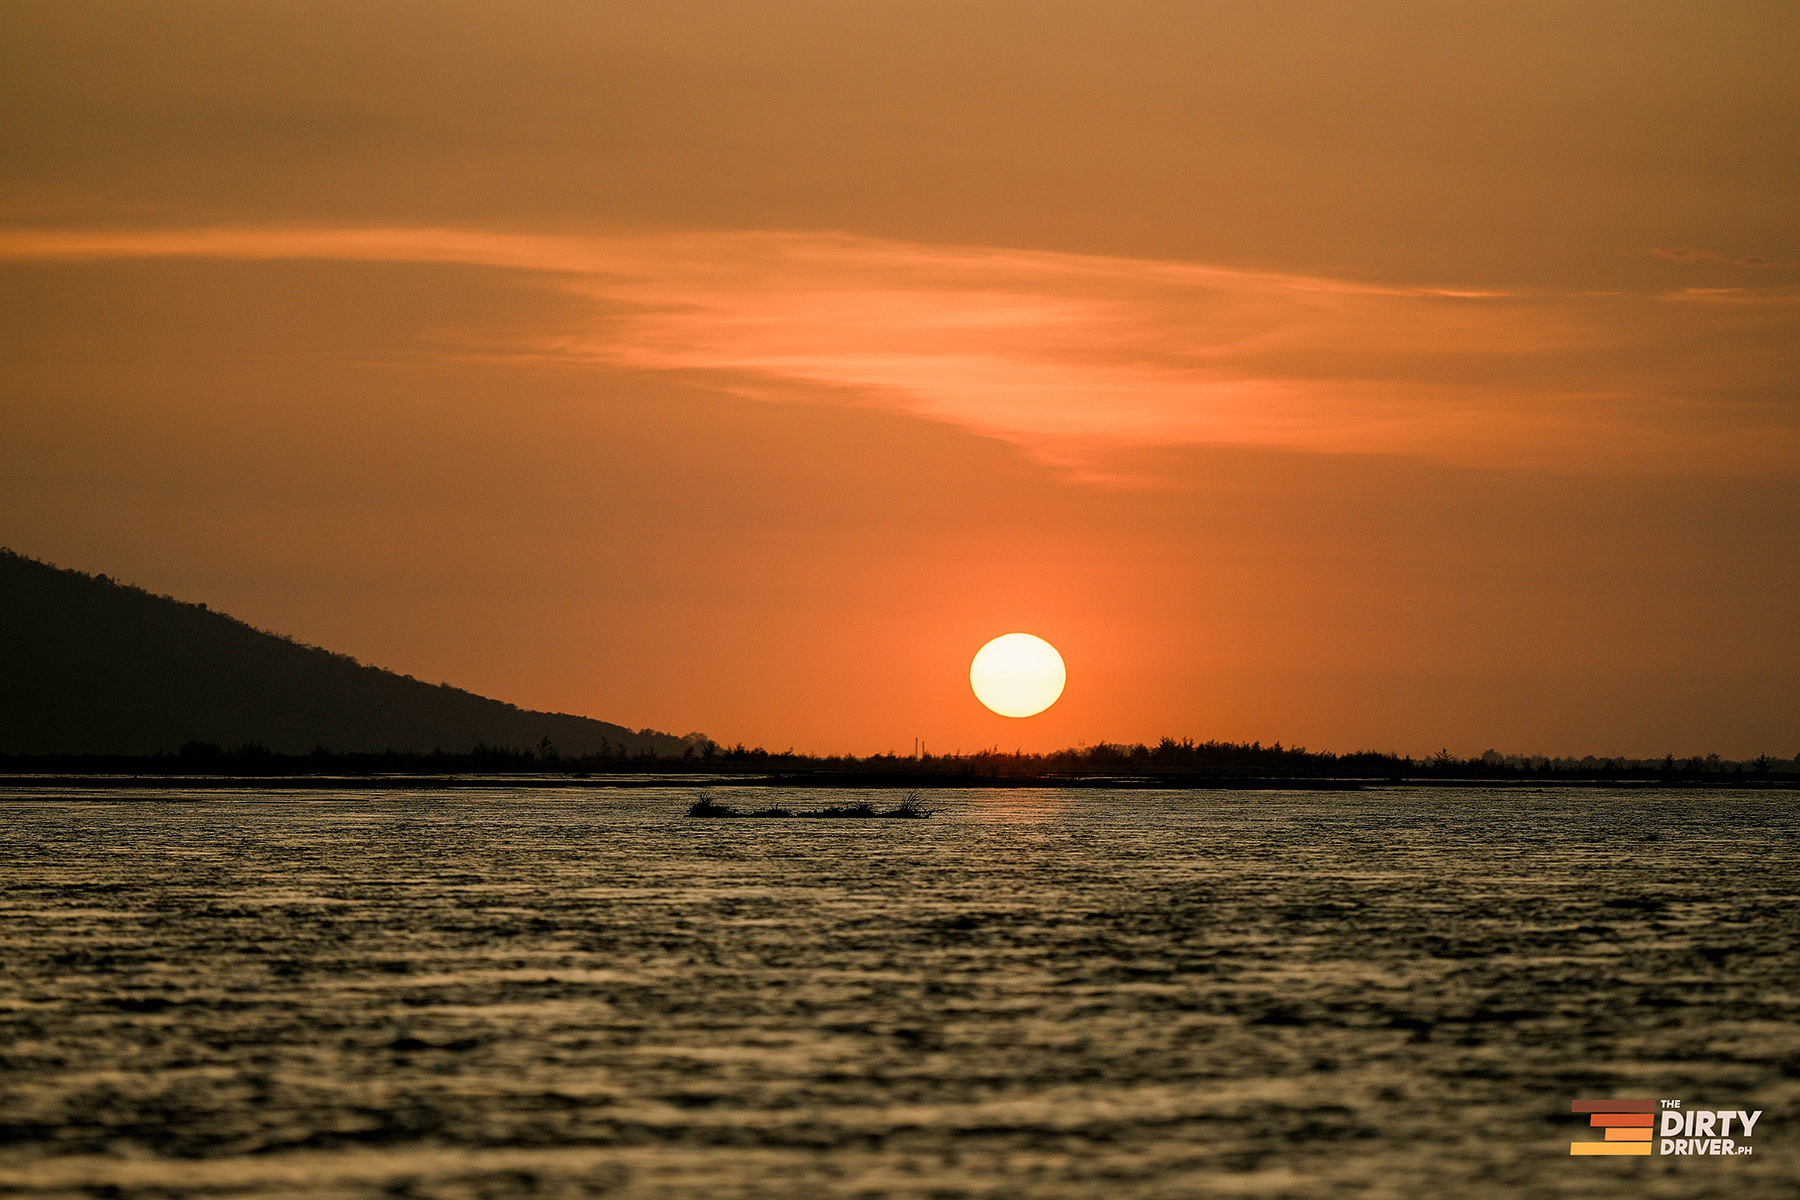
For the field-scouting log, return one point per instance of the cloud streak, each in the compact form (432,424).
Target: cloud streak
(1079,357)
(1691,257)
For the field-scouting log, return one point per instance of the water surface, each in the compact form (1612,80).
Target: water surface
(522,992)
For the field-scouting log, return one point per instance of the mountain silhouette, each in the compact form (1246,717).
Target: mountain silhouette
(90,666)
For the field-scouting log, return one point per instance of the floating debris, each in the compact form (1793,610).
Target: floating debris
(907,810)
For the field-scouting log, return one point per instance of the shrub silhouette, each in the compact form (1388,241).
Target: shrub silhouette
(908,809)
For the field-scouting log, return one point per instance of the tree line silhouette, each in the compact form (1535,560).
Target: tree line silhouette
(1171,761)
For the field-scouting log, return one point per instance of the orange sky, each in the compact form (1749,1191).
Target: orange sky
(1355,375)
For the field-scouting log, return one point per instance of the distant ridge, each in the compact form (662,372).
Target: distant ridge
(90,666)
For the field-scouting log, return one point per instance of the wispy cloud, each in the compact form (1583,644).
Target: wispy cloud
(1692,256)
(1076,356)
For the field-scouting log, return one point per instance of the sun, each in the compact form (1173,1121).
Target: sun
(1018,675)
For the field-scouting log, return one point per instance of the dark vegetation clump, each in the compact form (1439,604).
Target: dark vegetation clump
(861,809)
(907,810)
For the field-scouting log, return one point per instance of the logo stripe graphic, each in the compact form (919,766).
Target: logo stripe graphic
(1627,1124)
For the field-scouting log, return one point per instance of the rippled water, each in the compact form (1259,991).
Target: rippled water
(527,992)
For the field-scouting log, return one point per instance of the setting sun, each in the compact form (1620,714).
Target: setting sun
(1018,675)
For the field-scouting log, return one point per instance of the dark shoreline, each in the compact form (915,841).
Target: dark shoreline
(1183,765)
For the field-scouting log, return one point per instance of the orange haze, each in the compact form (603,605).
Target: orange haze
(1354,375)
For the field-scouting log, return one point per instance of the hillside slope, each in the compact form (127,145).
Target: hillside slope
(89,666)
